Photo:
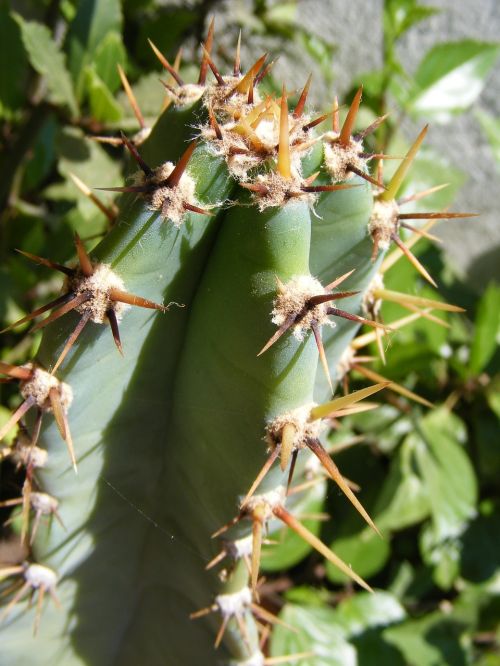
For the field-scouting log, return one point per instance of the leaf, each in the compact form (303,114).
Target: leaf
(403,500)
(149,95)
(13,65)
(317,632)
(46,57)
(110,53)
(90,162)
(491,127)
(481,545)
(432,640)
(486,330)
(368,611)
(42,157)
(401,15)
(328,633)
(493,397)
(446,472)
(94,20)
(485,436)
(167,30)
(364,551)
(451,77)
(443,557)
(103,106)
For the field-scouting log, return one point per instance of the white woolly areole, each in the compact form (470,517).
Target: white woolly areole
(43,502)
(99,286)
(257,659)
(230,107)
(345,362)
(28,455)
(338,158)
(299,418)
(281,190)
(371,304)
(239,547)
(266,502)
(232,143)
(383,222)
(39,386)
(169,200)
(230,146)
(187,94)
(291,300)
(39,576)
(235,603)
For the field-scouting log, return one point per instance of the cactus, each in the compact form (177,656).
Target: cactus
(259,226)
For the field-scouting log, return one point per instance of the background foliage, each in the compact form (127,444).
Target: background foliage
(430,478)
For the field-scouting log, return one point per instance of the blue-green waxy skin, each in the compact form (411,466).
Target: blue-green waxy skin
(219,372)
(118,416)
(340,242)
(171,133)
(225,394)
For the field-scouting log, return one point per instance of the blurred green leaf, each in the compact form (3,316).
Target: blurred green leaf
(400,15)
(150,96)
(303,595)
(48,60)
(451,77)
(443,557)
(480,561)
(13,64)
(486,330)
(43,156)
(485,434)
(284,13)
(403,500)
(92,164)
(328,633)
(94,20)
(365,551)
(493,397)
(110,53)
(491,127)
(166,29)
(367,611)
(103,105)
(446,472)
(434,640)
(316,632)
(320,50)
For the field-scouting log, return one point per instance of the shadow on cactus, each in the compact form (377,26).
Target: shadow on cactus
(201,428)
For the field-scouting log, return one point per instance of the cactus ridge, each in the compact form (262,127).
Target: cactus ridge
(243,227)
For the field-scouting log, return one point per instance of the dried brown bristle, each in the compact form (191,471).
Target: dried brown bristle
(166,64)
(208,48)
(347,127)
(131,97)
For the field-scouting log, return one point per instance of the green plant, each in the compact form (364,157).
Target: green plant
(193,375)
